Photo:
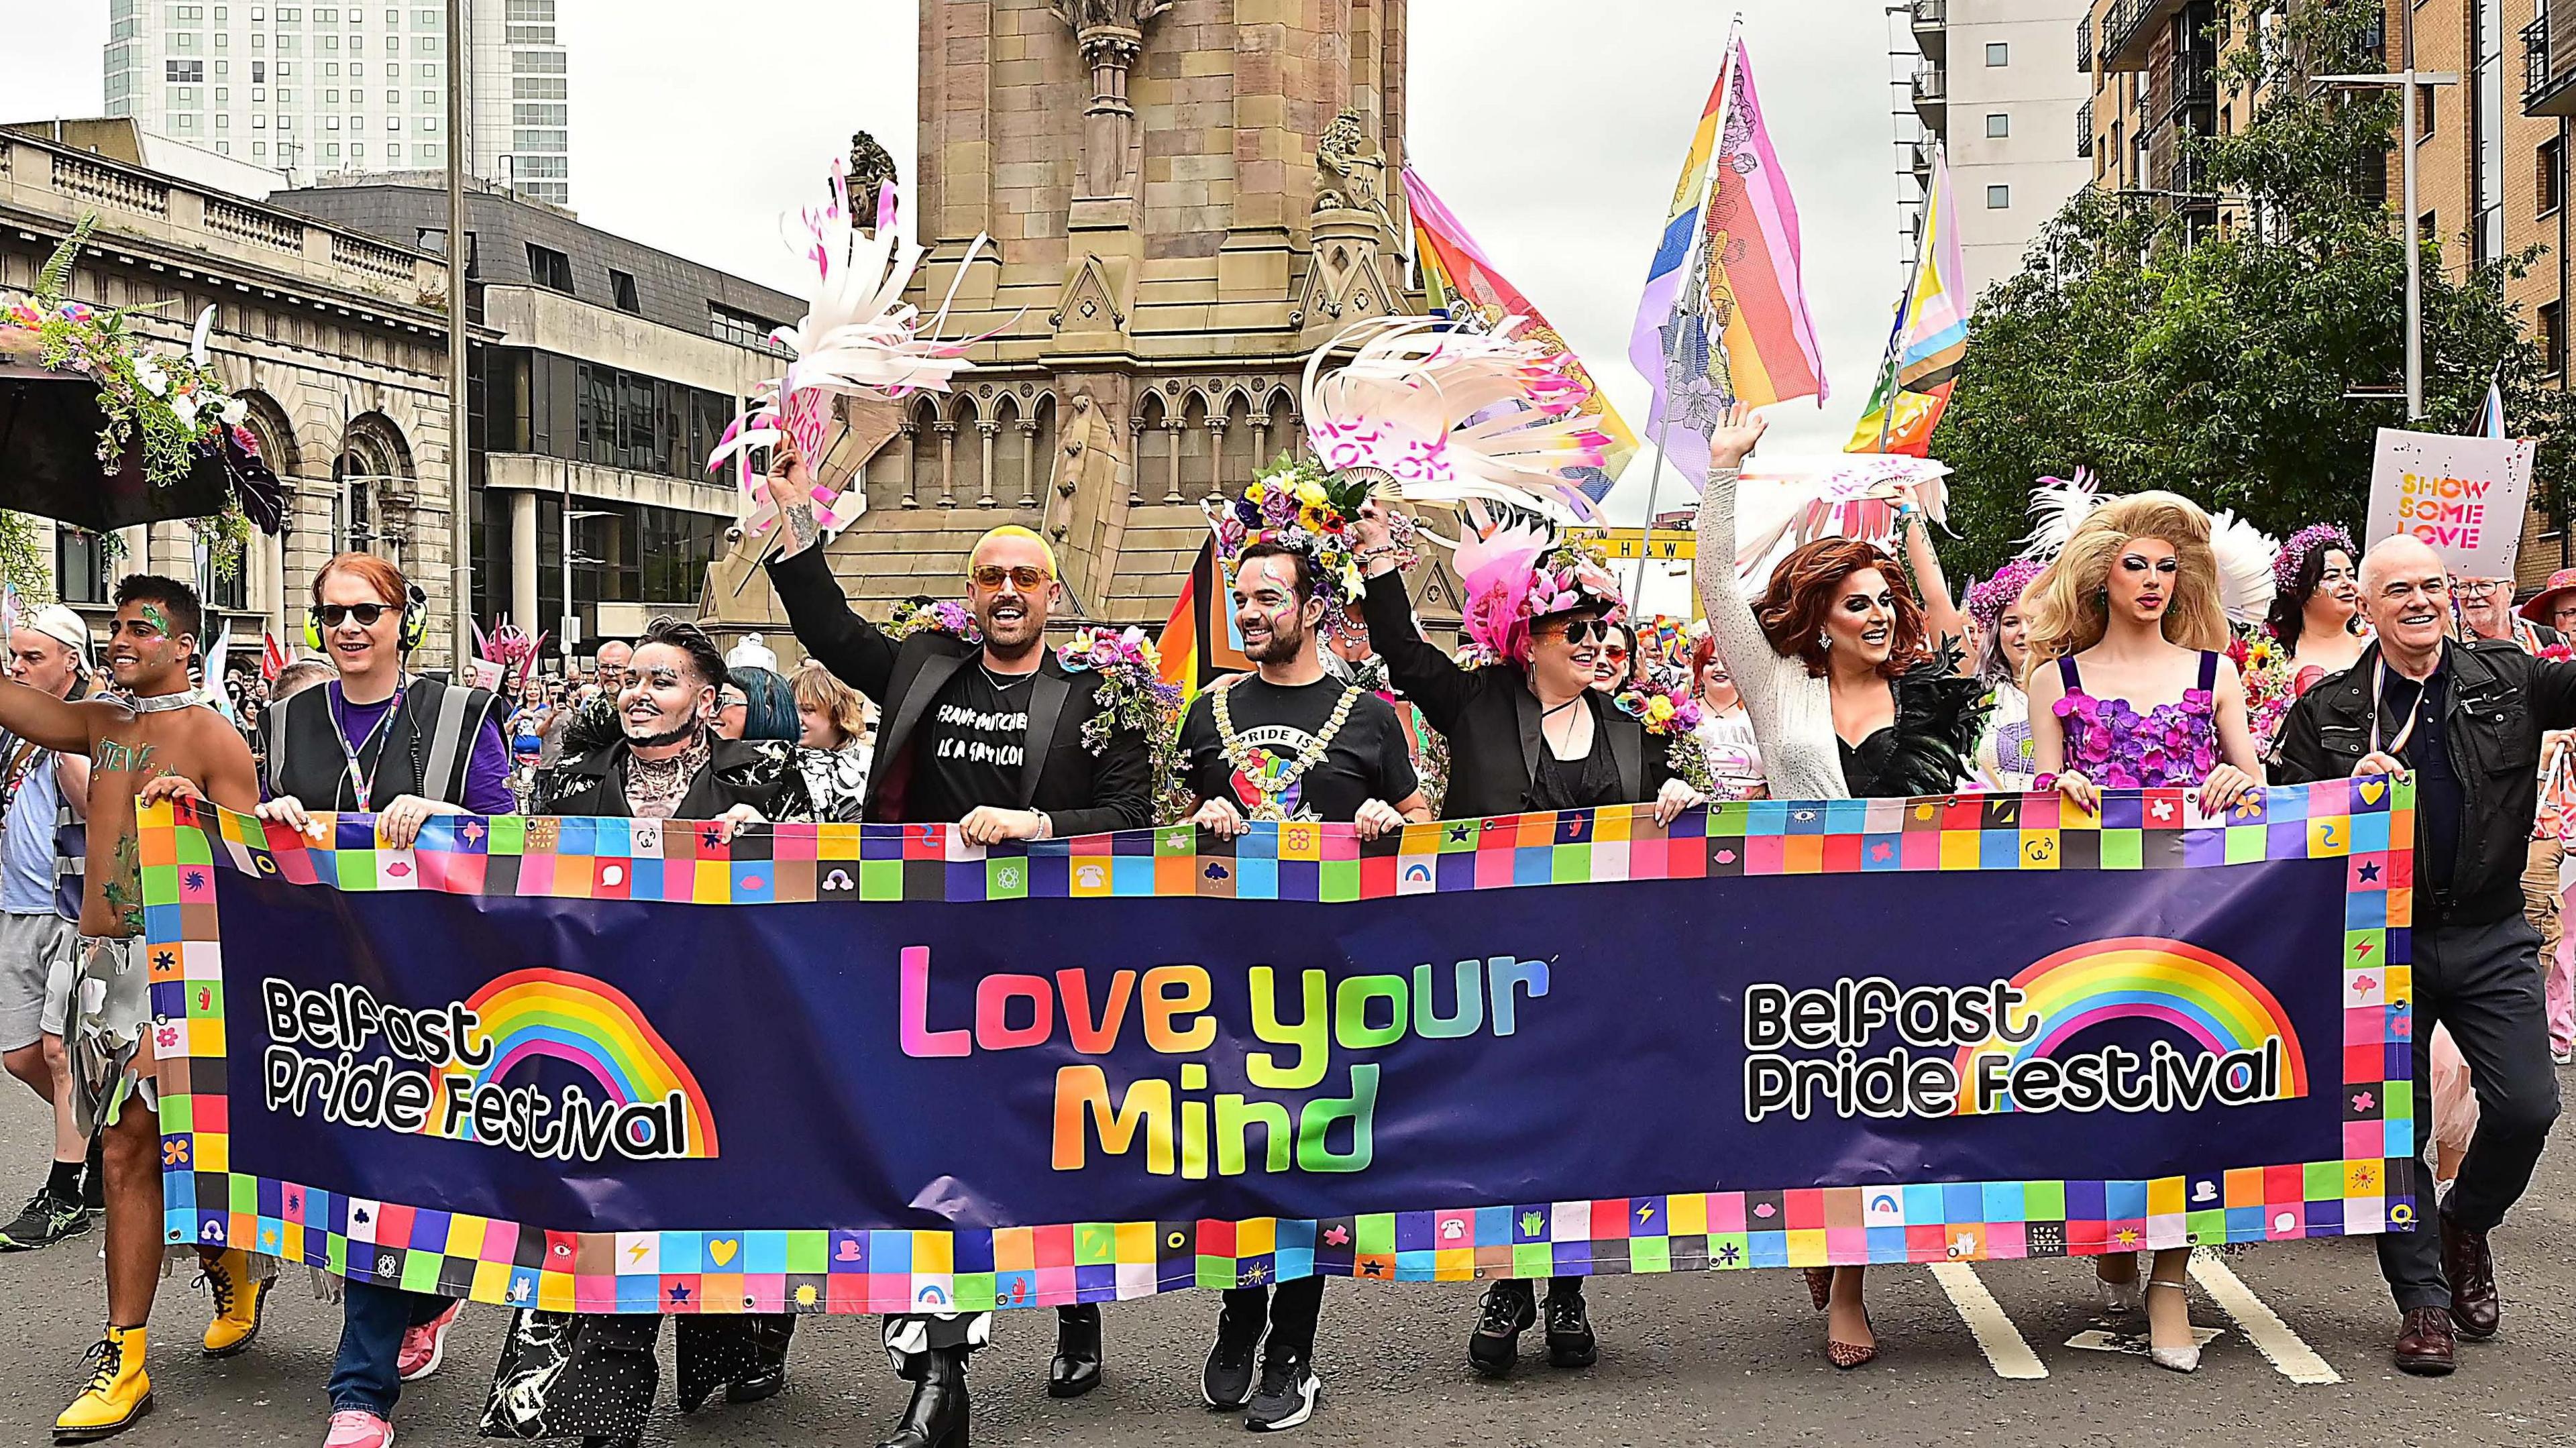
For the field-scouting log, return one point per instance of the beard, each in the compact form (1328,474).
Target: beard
(654,731)
(1287,641)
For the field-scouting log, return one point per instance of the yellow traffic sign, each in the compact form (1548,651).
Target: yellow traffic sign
(1664,545)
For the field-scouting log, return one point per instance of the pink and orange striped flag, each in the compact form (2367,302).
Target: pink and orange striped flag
(1725,320)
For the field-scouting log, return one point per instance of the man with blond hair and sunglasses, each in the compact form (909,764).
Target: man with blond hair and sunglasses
(982,728)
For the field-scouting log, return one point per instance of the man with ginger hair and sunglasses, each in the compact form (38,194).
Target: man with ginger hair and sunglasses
(981,728)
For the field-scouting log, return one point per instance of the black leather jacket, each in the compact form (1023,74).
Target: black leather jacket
(2501,699)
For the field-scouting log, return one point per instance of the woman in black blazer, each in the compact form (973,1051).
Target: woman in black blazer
(1527,732)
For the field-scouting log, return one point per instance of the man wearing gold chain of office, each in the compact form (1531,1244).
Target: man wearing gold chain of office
(1287,742)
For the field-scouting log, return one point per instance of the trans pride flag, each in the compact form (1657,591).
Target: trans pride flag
(1463,282)
(1724,315)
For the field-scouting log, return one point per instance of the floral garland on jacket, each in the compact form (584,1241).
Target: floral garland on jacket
(1661,700)
(1132,695)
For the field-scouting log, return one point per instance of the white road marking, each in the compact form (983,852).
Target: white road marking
(1997,1338)
(2262,1326)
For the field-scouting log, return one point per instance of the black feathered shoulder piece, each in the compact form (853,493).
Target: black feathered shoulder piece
(1940,713)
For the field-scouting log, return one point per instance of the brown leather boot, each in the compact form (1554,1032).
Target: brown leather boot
(2424,1345)
(2476,1310)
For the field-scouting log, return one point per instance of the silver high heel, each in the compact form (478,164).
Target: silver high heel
(2120,1297)
(2177,1359)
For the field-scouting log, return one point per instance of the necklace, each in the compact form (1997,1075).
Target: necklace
(1004,683)
(1273,776)
(165,703)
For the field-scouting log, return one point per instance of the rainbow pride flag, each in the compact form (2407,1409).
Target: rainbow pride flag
(1200,642)
(1725,320)
(1930,338)
(1462,281)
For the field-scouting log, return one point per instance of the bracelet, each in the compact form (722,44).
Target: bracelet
(1046,826)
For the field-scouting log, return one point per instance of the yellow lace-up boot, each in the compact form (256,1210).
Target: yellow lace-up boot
(238,1300)
(118,1392)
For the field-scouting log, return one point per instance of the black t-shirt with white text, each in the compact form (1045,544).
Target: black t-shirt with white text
(1274,725)
(972,745)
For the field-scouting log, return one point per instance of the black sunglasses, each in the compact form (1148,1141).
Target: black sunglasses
(1581,631)
(332,614)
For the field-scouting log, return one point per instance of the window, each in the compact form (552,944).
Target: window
(393,123)
(548,267)
(2424,113)
(393,98)
(538,88)
(540,115)
(1998,126)
(545,167)
(429,98)
(621,286)
(330,97)
(1998,198)
(258,94)
(393,150)
(2552,336)
(331,149)
(427,45)
(431,154)
(332,123)
(2550,166)
(1998,53)
(531,34)
(258,72)
(740,328)
(181,71)
(539,141)
(80,565)
(429,123)
(540,11)
(426,70)
(537,62)
(424,20)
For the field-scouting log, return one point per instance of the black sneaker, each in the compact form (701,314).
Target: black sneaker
(1289,1394)
(44,1222)
(1509,1311)
(1226,1381)
(1569,1332)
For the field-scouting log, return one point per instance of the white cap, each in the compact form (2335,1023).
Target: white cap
(751,653)
(63,626)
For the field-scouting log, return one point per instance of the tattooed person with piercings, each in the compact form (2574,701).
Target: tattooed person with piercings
(164,740)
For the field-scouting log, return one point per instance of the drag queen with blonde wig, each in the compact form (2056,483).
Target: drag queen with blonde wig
(2130,689)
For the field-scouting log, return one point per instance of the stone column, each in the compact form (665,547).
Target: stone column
(1172,493)
(1029,463)
(523,561)
(1110,34)
(1216,456)
(991,430)
(1136,454)
(911,484)
(948,465)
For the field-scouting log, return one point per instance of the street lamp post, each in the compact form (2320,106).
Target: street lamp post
(460,490)
(2406,82)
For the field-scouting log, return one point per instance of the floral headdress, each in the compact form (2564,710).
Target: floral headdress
(170,408)
(860,338)
(1514,575)
(1297,504)
(1988,600)
(2310,539)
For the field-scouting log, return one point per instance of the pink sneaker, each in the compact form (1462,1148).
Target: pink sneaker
(359,1430)
(425,1347)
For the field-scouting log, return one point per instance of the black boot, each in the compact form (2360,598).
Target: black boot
(1509,1310)
(1076,1369)
(1569,1329)
(936,1416)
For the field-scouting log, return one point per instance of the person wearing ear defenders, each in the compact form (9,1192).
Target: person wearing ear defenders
(378,741)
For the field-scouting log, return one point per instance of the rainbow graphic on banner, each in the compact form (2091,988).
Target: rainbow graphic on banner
(591,1026)
(2204,995)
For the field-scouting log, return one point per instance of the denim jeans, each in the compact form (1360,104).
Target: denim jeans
(367,1377)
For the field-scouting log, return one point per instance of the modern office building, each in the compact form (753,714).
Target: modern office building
(602,374)
(2000,88)
(311,91)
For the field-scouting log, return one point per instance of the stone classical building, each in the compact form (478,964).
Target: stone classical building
(1185,198)
(336,339)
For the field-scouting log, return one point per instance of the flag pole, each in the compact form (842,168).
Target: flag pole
(1695,292)
(1905,300)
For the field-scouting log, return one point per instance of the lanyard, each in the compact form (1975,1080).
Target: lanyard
(2414,712)
(362,784)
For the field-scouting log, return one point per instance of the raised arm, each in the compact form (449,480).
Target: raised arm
(45,721)
(1420,672)
(857,652)
(1943,623)
(1731,624)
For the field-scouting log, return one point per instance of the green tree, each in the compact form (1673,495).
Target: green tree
(2161,348)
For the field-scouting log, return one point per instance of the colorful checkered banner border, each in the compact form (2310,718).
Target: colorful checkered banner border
(628,1066)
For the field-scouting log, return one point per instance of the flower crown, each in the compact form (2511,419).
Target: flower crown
(2294,554)
(1988,600)
(1295,503)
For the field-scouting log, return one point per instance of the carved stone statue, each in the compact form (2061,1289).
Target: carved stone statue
(1110,34)
(1128,14)
(1350,170)
(870,168)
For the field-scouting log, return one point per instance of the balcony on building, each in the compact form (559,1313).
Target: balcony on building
(2549,63)
(1931,29)
(1921,152)
(2129,30)
(2084,45)
(2084,130)
(1931,89)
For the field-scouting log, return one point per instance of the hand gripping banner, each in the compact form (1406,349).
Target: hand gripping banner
(620,1066)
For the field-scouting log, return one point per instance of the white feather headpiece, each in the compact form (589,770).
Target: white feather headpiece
(2244,567)
(859,338)
(1452,416)
(2060,505)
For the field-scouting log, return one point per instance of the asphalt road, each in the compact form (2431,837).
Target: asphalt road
(1702,1358)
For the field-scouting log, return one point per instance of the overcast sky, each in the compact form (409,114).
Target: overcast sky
(1554,132)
